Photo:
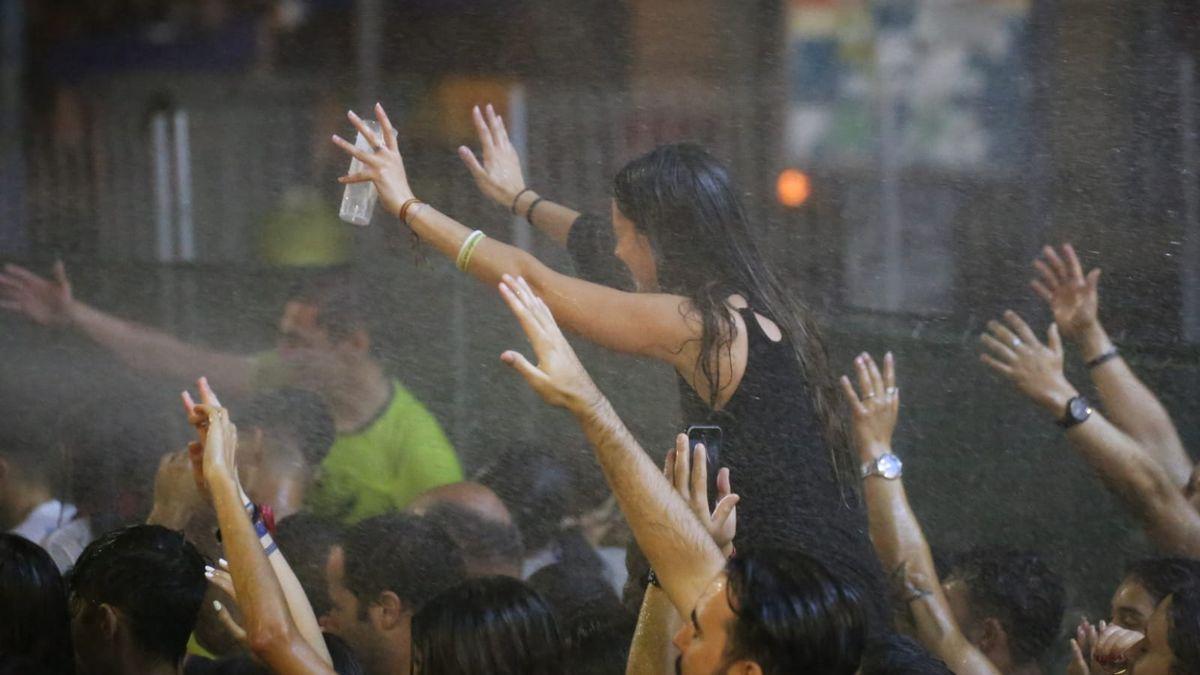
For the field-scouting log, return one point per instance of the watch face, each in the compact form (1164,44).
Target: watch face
(889,466)
(1080,408)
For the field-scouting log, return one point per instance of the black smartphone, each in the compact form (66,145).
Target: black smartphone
(710,437)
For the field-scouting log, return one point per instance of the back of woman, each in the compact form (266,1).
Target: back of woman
(783,435)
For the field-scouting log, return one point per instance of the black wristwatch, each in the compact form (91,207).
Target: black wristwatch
(1079,409)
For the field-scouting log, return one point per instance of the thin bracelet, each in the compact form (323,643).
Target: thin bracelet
(467,249)
(529,211)
(513,208)
(404,208)
(1108,355)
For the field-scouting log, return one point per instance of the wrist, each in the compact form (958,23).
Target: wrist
(1093,341)
(1055,399)
(520,202)
(869,452)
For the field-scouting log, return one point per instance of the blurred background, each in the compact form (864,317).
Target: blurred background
(904,161)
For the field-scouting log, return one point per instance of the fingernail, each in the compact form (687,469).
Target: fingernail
(223,562)
(209,568)
(217,605)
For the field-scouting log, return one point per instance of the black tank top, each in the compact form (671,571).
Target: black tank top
(773,444)
(780,466)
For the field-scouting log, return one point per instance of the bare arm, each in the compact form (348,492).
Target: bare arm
(1120,461)
(500,179)
(676,543)
(51,303)
(300,612)
(643,324)
(1132,407)
(271,633)
(650,651)
(895,531)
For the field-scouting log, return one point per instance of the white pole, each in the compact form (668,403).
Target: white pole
(183,187)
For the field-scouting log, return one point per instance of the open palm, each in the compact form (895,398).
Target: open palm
(43,301)
(1073,297)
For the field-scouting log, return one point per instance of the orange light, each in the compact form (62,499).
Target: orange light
(793,188)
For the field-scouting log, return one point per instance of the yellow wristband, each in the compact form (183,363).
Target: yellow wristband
(468,248)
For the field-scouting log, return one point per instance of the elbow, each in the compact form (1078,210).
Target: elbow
(267,640)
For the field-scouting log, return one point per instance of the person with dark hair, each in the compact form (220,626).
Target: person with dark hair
(307,541)
(286,435)
(894,654)
(488,547)
(1146,584)
(135,595)
(389,447)
(486,626)
(108,455)
(1169,646)
(30,482)
(1009,603)
(33,602)
(596,629)
(764,610)
(748,355)
(383,572)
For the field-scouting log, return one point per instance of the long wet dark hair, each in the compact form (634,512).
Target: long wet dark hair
(683,200)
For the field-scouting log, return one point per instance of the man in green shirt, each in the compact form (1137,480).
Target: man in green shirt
(389,448)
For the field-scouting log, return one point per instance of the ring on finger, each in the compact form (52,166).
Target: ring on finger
(892,391)
(1016,342)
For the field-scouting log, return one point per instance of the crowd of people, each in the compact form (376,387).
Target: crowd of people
(330,529)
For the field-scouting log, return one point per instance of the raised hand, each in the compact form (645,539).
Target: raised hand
(382,165)
(559,378)
(1116,648)
(688,473)
(874,413)
(214,455)
(1072,296)
(43,301)
(1035,368)
(499,176)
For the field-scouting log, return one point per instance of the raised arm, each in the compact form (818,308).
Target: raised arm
(301,617)
(51,303)
(658,621)
(1120,461)
(500,179)
(1074,298)
(899,541)
(678,546)
(644,324)
(270,630)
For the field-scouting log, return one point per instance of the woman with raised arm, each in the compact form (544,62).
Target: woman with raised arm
(748,356)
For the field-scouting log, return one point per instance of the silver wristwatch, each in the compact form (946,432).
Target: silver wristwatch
(886,466)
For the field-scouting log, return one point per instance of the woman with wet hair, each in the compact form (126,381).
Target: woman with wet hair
(747,354)
(35,630)
(486,626)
